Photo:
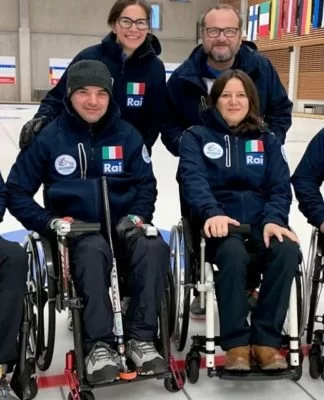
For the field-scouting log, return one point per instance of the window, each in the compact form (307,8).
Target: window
(156,20)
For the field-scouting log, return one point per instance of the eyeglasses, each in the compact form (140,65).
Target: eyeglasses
(126,23)
(215,32)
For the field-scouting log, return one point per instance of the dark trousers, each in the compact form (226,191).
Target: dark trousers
(144,267)
(279,265)
(13,274)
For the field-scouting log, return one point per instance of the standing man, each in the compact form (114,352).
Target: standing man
(222,48)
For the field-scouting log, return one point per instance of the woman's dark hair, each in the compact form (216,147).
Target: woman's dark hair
(120,5)
(252,120)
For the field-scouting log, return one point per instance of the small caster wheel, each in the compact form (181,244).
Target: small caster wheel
(315,362)
(192,368)
(83,396)
(32,389)
(171,385)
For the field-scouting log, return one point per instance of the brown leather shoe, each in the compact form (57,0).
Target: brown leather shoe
(269,358)
(238,359)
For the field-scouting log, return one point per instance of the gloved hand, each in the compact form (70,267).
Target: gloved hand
(129,228)
(50,229)
(29,130)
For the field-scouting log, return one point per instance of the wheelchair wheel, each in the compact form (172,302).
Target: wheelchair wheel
(316,279)
(171,303)
(41,290)
(163,337)
(315,362)
(84,395)
(180,264)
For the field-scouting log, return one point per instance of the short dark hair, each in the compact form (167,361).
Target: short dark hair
(120,5)
(252,120)
(202,23)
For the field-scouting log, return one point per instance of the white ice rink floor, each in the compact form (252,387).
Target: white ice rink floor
(12,117)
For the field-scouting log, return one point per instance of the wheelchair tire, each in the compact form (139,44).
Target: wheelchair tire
(182,278)
(41,289)
(84,395)
(315,358)
(171,303)
(171,385)
(192,367)
(313,300)
(163,338)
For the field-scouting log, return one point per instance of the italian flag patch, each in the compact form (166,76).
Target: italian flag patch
(112,152)
(254,146)
(136,88)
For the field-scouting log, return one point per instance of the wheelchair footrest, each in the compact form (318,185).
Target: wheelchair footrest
(256,374)
(85,386)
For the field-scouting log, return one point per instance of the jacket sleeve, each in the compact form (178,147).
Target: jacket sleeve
(279,107)
(52,104)
(174,123)
(277,186)
(144,179)
(193,177)
(25,178)
(307,179)
(3,198)
(154,114)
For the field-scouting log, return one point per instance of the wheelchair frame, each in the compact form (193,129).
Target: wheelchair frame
(315,337)
(52,283)
(23,381)
(184,263)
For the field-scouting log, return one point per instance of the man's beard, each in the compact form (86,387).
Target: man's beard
(224,57)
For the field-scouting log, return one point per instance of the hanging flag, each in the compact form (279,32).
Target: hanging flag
(290,16)
(264,19)
(276,18)
(318,13)
(304,17)
(253,22)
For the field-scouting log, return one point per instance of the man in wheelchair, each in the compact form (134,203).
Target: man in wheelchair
(233,171)
(307,180)
(13,274)
(69,157)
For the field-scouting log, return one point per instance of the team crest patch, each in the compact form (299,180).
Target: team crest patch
(112,157)
(135,94)
(213,150)
(65,164)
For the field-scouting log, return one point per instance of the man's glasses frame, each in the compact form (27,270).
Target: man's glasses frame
(227,32)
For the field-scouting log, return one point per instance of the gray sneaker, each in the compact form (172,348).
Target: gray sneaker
(145,357)
(195,311)
(5,392)
(69,321)
(101,364)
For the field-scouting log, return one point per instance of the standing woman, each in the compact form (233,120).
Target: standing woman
(130,52)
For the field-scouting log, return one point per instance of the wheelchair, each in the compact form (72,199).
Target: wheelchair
(187,258)
(23,381)
(51,285)
(314,337)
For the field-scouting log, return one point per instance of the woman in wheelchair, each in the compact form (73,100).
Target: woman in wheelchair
(13,274)
(233,171)
(69,157)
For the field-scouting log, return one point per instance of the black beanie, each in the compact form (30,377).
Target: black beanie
(88,73)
